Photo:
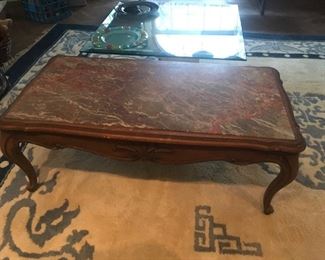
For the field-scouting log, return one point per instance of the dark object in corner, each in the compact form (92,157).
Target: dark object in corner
(4,84)
(5,41)
(49,11)
(262,4)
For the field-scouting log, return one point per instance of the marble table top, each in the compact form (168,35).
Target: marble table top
(170,96)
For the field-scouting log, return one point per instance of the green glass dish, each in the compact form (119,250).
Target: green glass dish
(121,37)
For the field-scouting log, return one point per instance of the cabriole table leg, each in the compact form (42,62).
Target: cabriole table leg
(10,148)
(288,172)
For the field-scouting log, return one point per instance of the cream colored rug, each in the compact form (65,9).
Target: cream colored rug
(90,207)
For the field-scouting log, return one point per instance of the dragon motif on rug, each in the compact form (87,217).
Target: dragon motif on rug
(42,229)
(309,111)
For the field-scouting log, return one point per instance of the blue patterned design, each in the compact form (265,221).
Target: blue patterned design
(309,110)
(285,47)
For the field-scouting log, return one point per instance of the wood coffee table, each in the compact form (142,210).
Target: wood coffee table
(167,112)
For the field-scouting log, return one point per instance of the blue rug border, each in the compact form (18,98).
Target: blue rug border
(21,66)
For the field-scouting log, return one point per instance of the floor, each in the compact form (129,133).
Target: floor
(281,16)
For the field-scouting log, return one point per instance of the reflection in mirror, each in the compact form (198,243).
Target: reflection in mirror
(199,30)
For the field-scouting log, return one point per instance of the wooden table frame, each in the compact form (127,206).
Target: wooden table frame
(156,146)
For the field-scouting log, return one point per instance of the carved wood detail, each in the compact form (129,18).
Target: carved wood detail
(146,152)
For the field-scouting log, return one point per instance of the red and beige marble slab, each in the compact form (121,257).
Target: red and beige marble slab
(169,112)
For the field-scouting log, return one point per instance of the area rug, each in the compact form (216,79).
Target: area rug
(89,207)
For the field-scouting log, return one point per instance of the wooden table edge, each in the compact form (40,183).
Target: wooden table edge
(148,150)
(157,136)
(283,94)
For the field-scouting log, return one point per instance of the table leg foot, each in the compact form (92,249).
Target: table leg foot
(32,187)
(288,172)
(268,210)
(10,148)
